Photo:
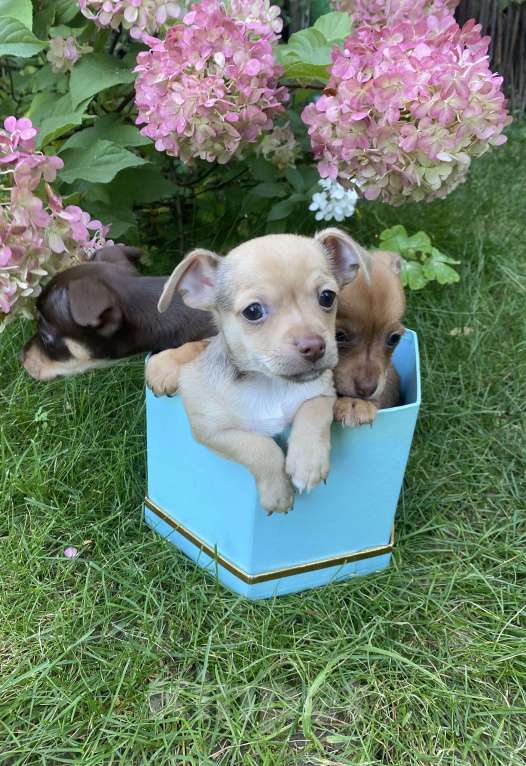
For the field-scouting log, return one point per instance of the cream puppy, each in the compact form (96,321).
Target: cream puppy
(270,366)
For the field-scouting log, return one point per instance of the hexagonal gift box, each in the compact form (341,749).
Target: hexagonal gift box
(208,506)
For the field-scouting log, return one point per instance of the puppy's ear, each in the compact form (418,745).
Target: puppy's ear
(395,262)
(194,278)
(119,255)
(392,260)
(347,256)
(93,304)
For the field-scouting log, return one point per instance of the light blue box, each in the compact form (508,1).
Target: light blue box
(208,506)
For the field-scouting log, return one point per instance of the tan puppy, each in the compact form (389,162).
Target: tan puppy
(368,329)
(274,301)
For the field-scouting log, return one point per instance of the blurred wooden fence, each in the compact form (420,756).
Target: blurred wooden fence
(505,22)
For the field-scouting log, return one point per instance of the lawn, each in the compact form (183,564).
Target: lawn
(129,654)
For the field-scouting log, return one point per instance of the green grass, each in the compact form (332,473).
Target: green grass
(131,655)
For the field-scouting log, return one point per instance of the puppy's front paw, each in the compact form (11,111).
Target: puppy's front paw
(307,465)
(354,412)
(162,373)
(276,494)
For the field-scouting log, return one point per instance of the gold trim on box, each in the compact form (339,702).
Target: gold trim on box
(272,574)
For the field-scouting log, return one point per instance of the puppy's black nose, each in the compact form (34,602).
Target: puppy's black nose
(365,387)
(311,347)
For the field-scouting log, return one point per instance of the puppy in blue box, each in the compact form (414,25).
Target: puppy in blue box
(270,366)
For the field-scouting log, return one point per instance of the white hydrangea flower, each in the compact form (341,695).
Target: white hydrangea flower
(334,202)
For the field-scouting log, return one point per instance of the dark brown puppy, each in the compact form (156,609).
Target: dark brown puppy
(102,311)
(368,329)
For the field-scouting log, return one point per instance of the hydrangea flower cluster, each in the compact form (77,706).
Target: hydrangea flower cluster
(64,52)
(379,13)
(141,17)
(210,87)
(406,108)
(334,202)
(259,16)
(38,235)
(279,146)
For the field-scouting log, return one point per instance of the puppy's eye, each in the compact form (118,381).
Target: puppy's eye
(393,340)
(46,338)
(326,299)
(341,336)
(255,312)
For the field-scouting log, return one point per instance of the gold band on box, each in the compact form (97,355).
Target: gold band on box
(273,574)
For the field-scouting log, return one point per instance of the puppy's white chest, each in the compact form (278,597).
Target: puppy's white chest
(268,406)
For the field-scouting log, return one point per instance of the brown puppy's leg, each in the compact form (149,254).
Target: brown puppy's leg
(310,443)
(162,369)
(354,412)
(260,454)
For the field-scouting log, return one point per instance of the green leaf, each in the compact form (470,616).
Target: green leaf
(54,116)
(261,170)
(307,73)
(280,210)
(64,31)
(46,82)
(140,187)
(419,241)
(21,10)
(438,256)
(418,247)
(268,190)
(306,56)
(122,219)
(65,10)
(436,268)
(41,106)
(394,238)
(111,128)
(43,18)
(99,165)
(412,275)
(47,104)
(94,73)
(319,8)
(17,40)
(57,125)
(295,178)
(335,26)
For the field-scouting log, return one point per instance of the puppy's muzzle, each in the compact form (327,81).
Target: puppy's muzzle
(310,347)
(365,387)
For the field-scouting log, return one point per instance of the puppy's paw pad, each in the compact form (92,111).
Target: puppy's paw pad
(276,495)
(307,469)
(354,412)
(162,375)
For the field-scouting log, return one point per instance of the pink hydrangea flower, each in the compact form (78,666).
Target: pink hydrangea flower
(64,52)
(260,16)
(209,88)
(141,17)
(406,108)
(38,236)
(379,13)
